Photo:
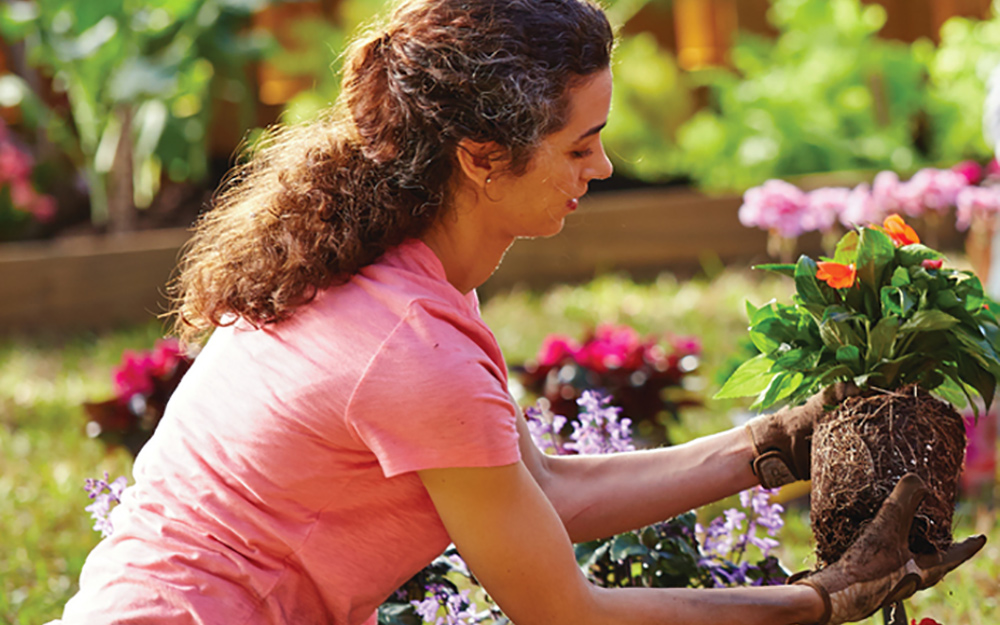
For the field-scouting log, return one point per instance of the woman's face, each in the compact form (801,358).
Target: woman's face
(536,203)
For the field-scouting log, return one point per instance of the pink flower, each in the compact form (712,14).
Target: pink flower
(44,208)
(932,189)
(889,195)
(132,376)
(556,348)
(861,208)
(824,208)
(775,206)
(970,170)
(993,168)
(931,263)
(612,347)
(15,165)
(975,202)
(165,357)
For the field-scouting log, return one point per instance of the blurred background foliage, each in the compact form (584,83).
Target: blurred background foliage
(130,98)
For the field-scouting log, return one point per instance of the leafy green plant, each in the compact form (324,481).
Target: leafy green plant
(827,94)
(958,69)
(140,79)
(884,313)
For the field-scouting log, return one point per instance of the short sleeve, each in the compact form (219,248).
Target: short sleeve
(435,396)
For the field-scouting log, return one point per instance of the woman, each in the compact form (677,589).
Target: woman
(349,416)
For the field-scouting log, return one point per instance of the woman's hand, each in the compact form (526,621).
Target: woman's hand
(879,568)
(782,441)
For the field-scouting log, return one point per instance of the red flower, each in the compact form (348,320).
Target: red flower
(837,275)
(901,234)
(925,621)
(931,263)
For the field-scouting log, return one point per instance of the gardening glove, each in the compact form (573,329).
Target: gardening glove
(879,569)
(782,441)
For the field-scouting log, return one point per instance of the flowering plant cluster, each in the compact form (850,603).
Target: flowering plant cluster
(646,375)
(883,312)
(787,212)
(19,200)
(105,494)
(143,383)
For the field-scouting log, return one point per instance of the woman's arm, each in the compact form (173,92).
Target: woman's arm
(514,541)
(599,496)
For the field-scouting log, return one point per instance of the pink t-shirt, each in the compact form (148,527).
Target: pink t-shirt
(280,486)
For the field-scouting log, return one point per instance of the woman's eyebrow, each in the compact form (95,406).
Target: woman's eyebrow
(593,131)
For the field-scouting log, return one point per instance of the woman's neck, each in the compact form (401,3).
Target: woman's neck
(469,254)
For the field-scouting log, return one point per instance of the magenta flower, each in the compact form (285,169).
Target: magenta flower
(555,349)
(970,170)
(775,206)
(132,376)
(612,347)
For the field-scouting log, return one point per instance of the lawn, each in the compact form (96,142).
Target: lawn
(45,454)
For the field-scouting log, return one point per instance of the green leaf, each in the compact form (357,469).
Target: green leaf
(797,359)
(916,253)
(875,252)
(881,339)
(835,329)
(896,301)
(785,269)
(847,249)
(781,386)
(806,284)
(750,378)
(625,545)
(928,321)
(973,374)
(900,277)
(849,355)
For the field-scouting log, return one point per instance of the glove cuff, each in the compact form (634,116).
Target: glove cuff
(801,579)
(770,466)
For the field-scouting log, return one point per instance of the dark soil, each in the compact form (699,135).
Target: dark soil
(862,449)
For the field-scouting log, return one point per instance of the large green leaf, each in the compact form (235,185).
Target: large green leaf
(979,378)
(875,252)
(806,284)
(847,249)
(928,321)
(881,339)
(750,378)
(916,253)
(781,386)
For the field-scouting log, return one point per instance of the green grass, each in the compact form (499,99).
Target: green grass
(45,454)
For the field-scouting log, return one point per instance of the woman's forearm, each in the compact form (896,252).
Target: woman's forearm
(599,496)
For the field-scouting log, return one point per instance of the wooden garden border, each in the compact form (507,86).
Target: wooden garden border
(95,282)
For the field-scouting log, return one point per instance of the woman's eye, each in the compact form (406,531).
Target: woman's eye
(581,153)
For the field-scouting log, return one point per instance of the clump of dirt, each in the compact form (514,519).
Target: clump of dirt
(864,447)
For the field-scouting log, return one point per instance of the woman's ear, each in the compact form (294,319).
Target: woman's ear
(479,162)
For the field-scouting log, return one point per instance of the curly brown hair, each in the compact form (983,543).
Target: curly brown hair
(315,203)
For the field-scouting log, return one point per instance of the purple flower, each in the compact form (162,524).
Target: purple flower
(599,430)
(545,426)
(776,206)
(104,495)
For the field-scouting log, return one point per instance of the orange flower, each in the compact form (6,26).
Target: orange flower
(836,275)
(901,234)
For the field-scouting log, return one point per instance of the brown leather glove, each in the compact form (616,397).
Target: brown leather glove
(879,568)
(782,441)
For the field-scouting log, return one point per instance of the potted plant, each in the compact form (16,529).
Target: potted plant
(885,314)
